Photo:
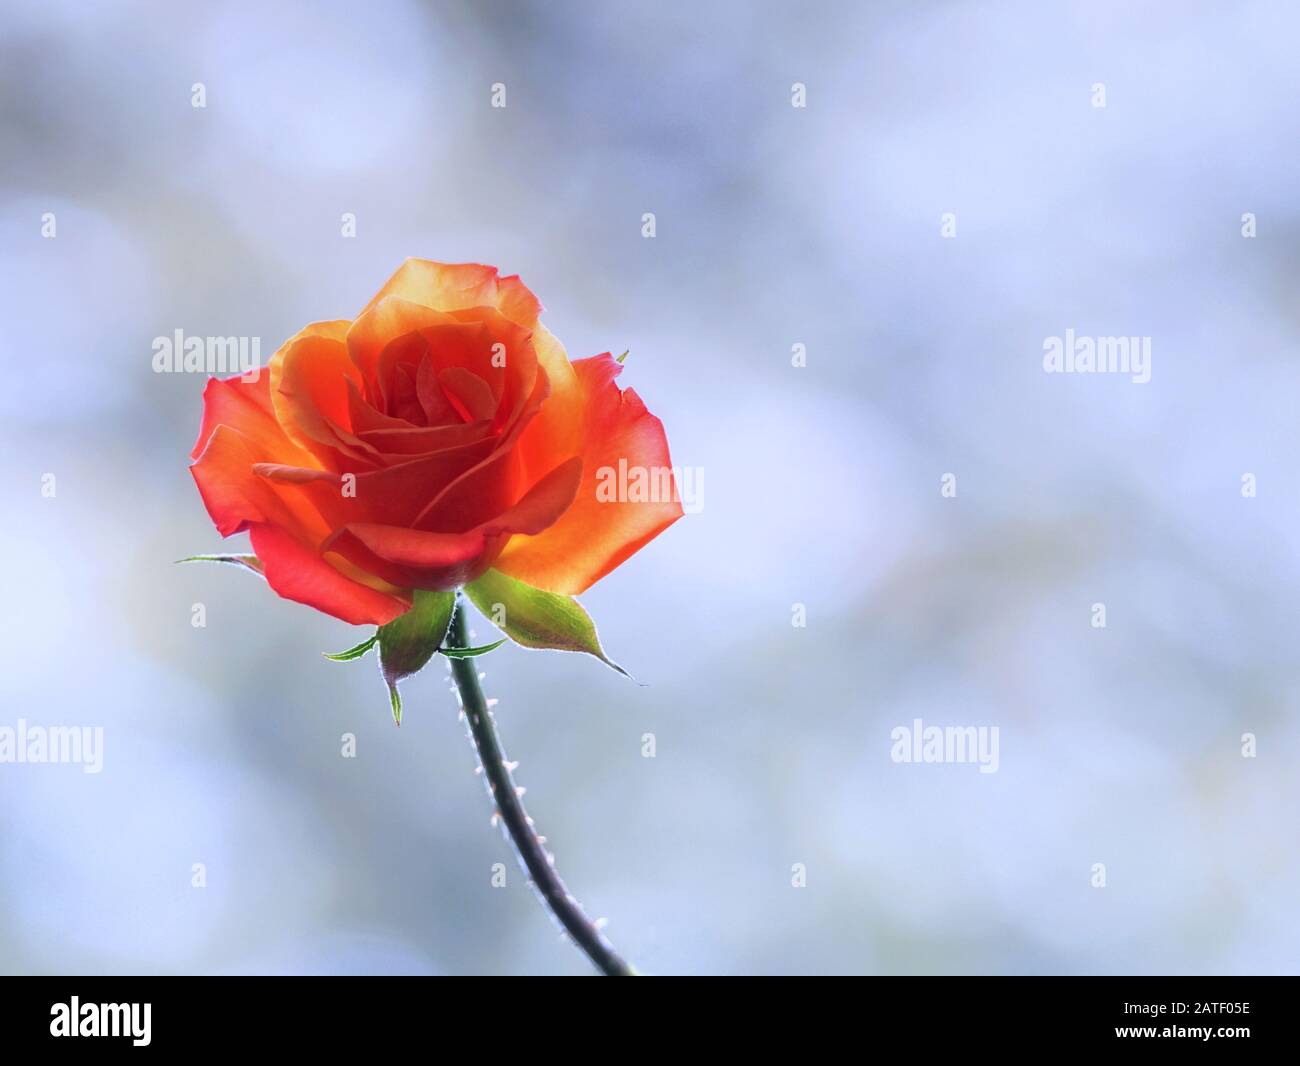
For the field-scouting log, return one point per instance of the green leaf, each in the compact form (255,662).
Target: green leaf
(469,653)
(250,562)
(408,642)
(537,619)
(352,653)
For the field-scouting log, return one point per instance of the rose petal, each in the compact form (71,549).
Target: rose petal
(543,504)
(420,440)
(309,390)
(594,537)
(397,494)
(517,303)
(486,489)
(364,417)
(235,496)
(557,429)
(298,573)
(443,286)
(382,322)
(469,394)
(294,475)
(402,400)
(419,559)
(245,406)
(437,409)
(410,558)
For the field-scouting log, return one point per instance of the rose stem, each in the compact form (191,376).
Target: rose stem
(519,827)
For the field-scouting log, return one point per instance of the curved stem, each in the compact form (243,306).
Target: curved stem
(519,826)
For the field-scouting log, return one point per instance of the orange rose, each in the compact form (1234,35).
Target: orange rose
(440,433)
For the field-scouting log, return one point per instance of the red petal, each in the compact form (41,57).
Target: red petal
(410,558)
(300,574)
(245,406)
(469,394)
(235,496)
(415,558)
(485,490)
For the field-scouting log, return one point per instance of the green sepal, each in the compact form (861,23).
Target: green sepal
(410,641)
(535,618)
(469,653)
(352,653)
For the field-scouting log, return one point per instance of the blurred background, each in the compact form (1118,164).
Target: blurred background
(775,226)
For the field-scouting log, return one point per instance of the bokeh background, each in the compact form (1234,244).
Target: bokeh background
(775,226)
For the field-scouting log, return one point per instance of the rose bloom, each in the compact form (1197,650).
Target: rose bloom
(441,432)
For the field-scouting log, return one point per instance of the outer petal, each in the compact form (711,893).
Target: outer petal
(245,473)
(242,404)
(309,378)
(246,406)
(556,432)
(516,301)
(233,495)
(298,573)
(442,286)
(409,558)
(236,496)
(594,537)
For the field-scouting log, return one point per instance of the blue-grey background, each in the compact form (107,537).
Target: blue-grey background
(775,226)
